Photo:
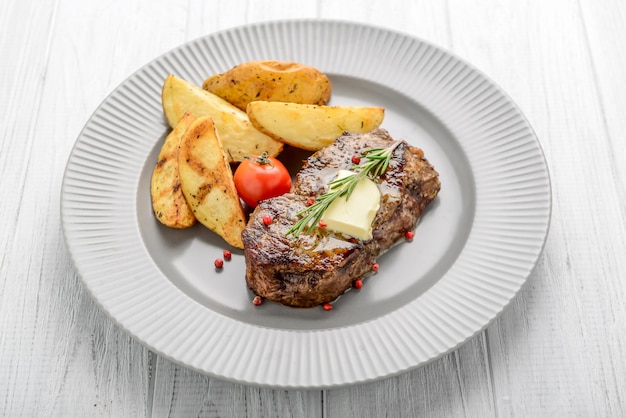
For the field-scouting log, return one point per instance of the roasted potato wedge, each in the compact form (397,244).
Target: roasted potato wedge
(239,138)
(279,81)
(168,202)
(311,127)
(207,182)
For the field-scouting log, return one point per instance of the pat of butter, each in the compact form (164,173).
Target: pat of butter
(354,216)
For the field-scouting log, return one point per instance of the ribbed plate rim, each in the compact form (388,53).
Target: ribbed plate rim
(308,347)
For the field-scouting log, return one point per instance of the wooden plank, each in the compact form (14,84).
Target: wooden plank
(458,384)
(603,28)
(205,17)
(425,19)
(603,31)
(180,392)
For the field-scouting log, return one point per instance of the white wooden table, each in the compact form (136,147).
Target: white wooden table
(558,350)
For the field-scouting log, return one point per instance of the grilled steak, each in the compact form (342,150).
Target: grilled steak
(314,269)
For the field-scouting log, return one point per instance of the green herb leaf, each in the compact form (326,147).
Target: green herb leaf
(375,165)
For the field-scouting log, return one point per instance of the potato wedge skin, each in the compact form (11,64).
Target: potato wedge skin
(207,182)
(239,138)
(311,127)
(168,202)
(280,81)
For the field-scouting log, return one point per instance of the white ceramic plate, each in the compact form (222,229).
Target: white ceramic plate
(474,249)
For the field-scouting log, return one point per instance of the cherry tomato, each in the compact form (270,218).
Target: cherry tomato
(260,178)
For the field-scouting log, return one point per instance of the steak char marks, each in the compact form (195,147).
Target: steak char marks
(314,269)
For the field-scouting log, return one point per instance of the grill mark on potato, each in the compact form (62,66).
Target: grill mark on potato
(196,165)
(168,202)
(203,191)
(203,167)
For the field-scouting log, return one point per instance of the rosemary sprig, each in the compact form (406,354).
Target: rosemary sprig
(377,162)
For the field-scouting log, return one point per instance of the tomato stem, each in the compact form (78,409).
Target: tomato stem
(262,159)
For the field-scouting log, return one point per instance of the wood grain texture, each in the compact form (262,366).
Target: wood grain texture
(558,350)
(459,384)
(180,392)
